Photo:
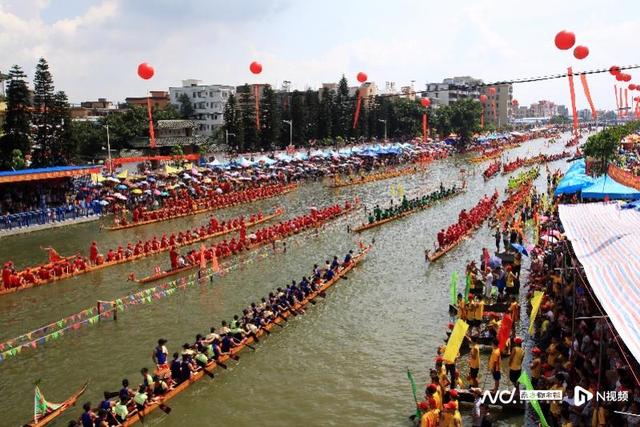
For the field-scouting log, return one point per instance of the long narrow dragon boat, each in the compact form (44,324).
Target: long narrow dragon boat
(287,189)
(404,214)
(363,179)
(46,412)
(91,268)
(135,416)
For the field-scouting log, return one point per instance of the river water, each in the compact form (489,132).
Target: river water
(343,363)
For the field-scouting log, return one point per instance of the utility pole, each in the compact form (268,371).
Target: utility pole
(290,123)
(109,150)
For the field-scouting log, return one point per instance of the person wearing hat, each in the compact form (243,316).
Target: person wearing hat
(495,364)
(514,310)
(430,417)
(515,363)
(442,373)
(462,308)
(449,418)
(432,392)
(93,252)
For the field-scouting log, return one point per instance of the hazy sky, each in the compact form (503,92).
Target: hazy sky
(94,46)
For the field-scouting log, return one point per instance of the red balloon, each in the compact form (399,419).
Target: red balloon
(514,102)
(362,77)
(145,71)
(581,52)
(565,40)
(425,102)
(255,67)
(483,98)
(491,91)
(620,77)
(626,77)
(632,86)
(614,70)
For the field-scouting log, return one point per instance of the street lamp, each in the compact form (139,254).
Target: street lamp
(385,128)
(226,137)
(109,149)
(290,123)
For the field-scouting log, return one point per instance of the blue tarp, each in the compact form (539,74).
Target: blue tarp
(46,170)
(577,167)
(605,186)
(571,184)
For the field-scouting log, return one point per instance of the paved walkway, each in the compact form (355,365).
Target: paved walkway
(48,226)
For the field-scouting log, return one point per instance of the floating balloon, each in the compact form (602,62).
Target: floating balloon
(255,67)
(483,98)
(362,77)
(581,52)
(620,77)
(425,102)
(614,70)
(632,87)
(145,71)
(514,102)
(626,77)
(565,40)
(491,91)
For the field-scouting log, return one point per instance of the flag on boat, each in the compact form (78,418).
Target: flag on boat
(535,306)
(455,341)
(41,406)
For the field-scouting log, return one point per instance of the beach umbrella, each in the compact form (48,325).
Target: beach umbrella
(121,187)
(136,191)
(520,249)
(495,262)
(103,202)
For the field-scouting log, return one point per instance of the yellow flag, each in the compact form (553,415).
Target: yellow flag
(96,178)
(400,190)
(535,306)
(170,170)
(123,174)
(455,341)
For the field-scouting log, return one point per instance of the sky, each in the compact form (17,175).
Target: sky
(94,46)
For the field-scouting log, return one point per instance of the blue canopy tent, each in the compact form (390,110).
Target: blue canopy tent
(577,167)
(605,186)
(570,184)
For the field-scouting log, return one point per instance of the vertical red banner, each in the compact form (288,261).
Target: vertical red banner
(357,113)
(573,100)
(257,96)
(424,127)
(152,133)
(626,103)
(587,93)
(495,113)
(615,93)
(620,103)
(482,117)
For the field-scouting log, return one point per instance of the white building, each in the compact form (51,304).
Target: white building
(208,102)
(453,89)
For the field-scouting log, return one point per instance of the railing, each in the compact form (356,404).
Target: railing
(48,216)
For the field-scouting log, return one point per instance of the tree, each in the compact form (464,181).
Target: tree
(341,118)
(270,119)
(603,146)
(325,114)
(63,147)
(299,118)
(465,119)
(186,107)
(231,120)
(18,117)
(89,138)
(248,134)
(43,100)
(312,105)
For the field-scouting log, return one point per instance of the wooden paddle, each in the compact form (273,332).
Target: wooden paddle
(167,410)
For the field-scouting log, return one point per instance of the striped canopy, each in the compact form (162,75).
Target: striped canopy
(606,240)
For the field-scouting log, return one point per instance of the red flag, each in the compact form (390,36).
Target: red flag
(357,114)
(587,94)
(615,93)
(505,331)
(152,133)
(424,127)
(620,111)
(257,90)
(482,117)
(626,102)
(214,263)
(203,260)
(573,100)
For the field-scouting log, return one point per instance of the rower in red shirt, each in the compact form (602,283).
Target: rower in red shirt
(93,252)
(173,256)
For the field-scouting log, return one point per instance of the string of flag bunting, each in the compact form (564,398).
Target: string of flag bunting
(107,309)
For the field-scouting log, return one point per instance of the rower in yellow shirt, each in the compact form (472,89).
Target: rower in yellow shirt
(430,417)
(515,363)
(474,361)
(495,365)
(462,308)
(514,310)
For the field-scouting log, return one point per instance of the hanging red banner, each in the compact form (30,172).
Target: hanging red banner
(615,93)
(587,93)
(626,103)
(257,96)
(482,117)
(152,133)
(357,113)
(424,127)
(621,111)
(573,100)
(495,113)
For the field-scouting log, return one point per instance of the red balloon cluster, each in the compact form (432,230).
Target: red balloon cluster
(362,77)
(483,98)
(145,71)
(565,40)
(632,87)
(514,103)
(425,102)
(491,91)
(255,67)
(614,70)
